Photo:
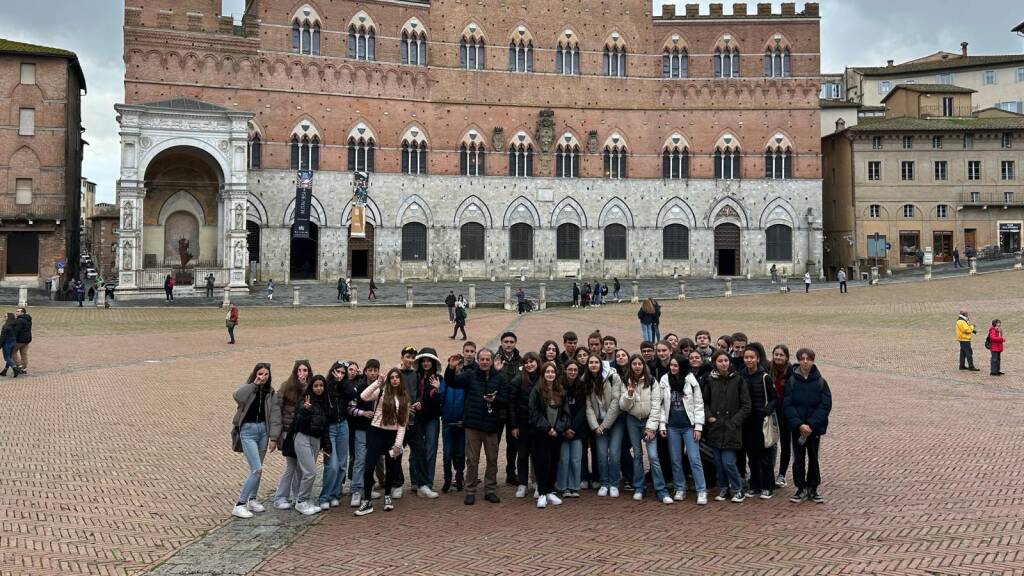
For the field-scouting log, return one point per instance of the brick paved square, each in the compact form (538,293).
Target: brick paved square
(115,448)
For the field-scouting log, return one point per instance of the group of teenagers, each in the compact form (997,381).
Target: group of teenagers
(573,418)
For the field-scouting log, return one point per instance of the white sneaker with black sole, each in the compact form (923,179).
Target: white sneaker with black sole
(366,507)
(388,504)
(240,511)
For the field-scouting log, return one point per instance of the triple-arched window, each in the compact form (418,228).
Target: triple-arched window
(727,163)
(776,63)
(305,152)
(306,37)
(413,48)
(520,55)
(778,163)
(471,54)
(471,159)
(614,61)
(362,42)
(520,160)
(675,63)
(361,154)
(675,162)
(727,62)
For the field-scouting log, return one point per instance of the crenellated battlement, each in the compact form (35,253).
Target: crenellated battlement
(189,16)
(739,11)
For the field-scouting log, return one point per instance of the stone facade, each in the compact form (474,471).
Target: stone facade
(329,94)
(103,238)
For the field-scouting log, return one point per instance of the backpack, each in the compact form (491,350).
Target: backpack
(988,342)
(604,290)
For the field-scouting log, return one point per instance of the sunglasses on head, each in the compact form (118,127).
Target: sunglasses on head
(263,365)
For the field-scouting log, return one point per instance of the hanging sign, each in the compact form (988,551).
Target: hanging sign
(303,204)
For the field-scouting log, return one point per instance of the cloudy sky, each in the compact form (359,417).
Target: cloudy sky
(853,33)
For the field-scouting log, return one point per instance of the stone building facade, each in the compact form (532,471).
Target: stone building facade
(40,162)
(565,139)
(103,238)
(927,177)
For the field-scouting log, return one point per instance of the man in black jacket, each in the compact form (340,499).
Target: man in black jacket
(482,383)
(449,301)
(22,338)
(408,369)
(511,363)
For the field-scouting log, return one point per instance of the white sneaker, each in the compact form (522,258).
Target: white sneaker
(521,491)
(613,492)
(666,499)
(282,504)
(603,491)
(702,498)
(241,511)
(780,482)
(426,492)
(542,502)
(254,506)
(357,499)
(325,506)
(536,493)
(680,495)
(554,499)
(396,493)
(306,509)
(638,496)
(374,495)
(334,503)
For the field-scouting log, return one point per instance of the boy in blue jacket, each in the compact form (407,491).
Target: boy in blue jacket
(807,403)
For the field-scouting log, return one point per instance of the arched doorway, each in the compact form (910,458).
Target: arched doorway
(727,249)
(360,255)
(252,238)
(304,253)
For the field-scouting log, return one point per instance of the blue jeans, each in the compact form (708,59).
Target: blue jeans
(570,461)
(636,429)
(423,459)
(646,333)
(677,437)
(358,460)
(335,466)
(726,471)
(616,295)
(453,438)
(9,355)
(609,449)
(254,447)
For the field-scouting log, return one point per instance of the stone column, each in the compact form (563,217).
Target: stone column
(234,202)
(130,196)
(472,296)
(295,295)
(508,296)
(101,296)
(928,272)
(636,292)
(226,302)
(783,283)
(974,267)
(874,276)
(1017,265)
(22,297)
(542,302)
(408,295)
(353,293)
(728,288)
(682,291)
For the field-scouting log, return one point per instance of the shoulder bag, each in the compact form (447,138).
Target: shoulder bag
(770,425)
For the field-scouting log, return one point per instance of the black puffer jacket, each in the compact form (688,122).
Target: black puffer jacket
(23,329)
(759,384)
(337,401)
(576,405)
(727,400)
(353,389)
(539,421)
(519,398)
(313,421)
(477,383)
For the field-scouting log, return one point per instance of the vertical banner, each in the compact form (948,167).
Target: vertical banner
(303,202)
(360,184)
(357,227)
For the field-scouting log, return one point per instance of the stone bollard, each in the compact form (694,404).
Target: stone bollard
(101,297)
(508,296)
(353,293)
(874,276)
(728,288)
(974,266)
(22,297)
(1018,265)
(226,303)
(408,295)
(928,272)
(472,296)
(783,284)
(295,295)
(636,292)
(682,291)
(542,302)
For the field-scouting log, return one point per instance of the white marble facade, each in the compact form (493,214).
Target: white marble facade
(445,203)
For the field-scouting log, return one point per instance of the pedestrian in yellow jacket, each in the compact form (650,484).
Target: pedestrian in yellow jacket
(964,332)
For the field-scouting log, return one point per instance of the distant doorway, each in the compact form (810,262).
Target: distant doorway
(304,255)
(727,249)
(360,255)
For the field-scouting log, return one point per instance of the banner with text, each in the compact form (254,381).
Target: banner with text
(303,204)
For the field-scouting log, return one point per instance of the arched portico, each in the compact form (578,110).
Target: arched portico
(183,173)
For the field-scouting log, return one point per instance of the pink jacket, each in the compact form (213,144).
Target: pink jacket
(370,394)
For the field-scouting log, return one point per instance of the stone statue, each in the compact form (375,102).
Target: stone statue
(592,142)
(239,254)
(238,216)
(183,252)
(126,256)
(498,140)
(128,209)
(546,129)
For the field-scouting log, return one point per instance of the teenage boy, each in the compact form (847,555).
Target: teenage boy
(647,352)
(511,362)
(413,438)
(807,404)
(703,339)
(569,342)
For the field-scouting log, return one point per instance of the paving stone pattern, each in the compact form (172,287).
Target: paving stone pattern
(116,459)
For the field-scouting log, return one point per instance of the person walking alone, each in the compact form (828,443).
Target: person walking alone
(231,321)
(807,282)
(994,343)
(964,332)
(169,288)
(842,281)
(209,285)
(372,295)
(575,295)
(270,289)
(449,302)
(460,319)
(617,290)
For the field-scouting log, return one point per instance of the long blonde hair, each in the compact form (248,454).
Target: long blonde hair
(648,306)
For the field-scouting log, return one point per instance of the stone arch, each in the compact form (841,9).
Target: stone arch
(217,158)
(727,41)
(24,158)
(473,135)
(528,214)
(181,201)
(473,31)
(307,127)
(415,26)
(568,210)
(779,140)
(415,133)
(676,211)
(372,213)
(521,33)
(616,141)
(317,214)
(676,141)
(615,211)
(778,211)
(615,40)
(362,20)
(521,137)
(675,41)
(777,40)
(568,37)
(727,139)
(256,211)
(414,209)
(307,13)
(727,210)
(466,213)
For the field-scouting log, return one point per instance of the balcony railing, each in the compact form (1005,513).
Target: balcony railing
(944,112)
(997,199)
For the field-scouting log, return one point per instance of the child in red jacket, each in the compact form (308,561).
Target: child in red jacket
(994,343)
